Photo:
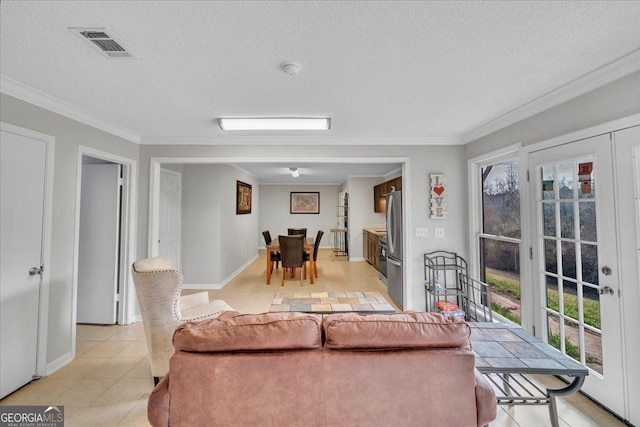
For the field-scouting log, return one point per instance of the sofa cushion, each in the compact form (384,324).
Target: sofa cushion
(402,330)
(251,332)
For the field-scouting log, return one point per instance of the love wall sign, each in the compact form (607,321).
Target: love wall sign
(438,196)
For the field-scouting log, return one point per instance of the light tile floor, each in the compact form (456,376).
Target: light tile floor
(109,381)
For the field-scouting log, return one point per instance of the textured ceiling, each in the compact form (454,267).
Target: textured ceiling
(396,72)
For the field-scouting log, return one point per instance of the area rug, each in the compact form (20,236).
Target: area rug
(332,302)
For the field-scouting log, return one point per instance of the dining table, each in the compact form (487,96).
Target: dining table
(274,246)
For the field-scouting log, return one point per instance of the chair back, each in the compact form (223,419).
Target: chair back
(292,250)
(297,231)
(267,237)
(316,245)
(158,289)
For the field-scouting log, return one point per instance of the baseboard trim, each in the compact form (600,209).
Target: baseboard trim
(60,362)
(356,259)
(217,286)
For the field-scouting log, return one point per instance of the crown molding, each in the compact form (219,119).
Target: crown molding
(28,94)
(297,140)
(608,73)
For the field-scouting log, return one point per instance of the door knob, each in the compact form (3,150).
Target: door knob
(606,271)
(605,290)
(35,270)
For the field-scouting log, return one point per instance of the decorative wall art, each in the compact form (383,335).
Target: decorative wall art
(438,196)
(304,203)
(243,198)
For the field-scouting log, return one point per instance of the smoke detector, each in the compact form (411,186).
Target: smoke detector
(290,69)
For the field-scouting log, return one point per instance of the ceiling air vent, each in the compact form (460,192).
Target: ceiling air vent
(102,41)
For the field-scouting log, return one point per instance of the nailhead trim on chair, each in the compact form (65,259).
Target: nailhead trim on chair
(177,297)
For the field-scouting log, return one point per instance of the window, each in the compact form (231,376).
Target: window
(499,235)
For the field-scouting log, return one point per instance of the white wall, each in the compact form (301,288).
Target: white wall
(69,135)
(275,214)
(215,241)
(361,214)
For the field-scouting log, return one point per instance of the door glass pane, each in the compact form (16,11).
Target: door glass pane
(591,303)
(553,330)
(548,181)
(589,256)
(565,180)
(569,259)
(552,293)
(549,219)
(588,221)
(501,199)
(593,349)
(567,229)
(572,339)
(570,299)
(586,188)
(550,256)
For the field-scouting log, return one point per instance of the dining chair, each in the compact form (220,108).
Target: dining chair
(292,255)
(296,231)
(316,247)
(275,256)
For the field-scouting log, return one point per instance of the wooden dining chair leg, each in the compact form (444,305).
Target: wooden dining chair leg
(303,272)
(315,269)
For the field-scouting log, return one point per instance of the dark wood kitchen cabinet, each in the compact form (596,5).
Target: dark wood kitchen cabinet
(380,193)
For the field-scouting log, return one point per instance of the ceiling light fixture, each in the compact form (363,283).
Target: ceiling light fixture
(294,172)
(275,123)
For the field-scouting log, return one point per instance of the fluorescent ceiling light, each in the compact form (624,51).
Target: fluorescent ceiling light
(294,172)
(275,123)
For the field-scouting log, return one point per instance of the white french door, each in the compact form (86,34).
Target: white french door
(575,259)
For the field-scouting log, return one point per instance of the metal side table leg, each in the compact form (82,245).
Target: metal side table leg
(552,393)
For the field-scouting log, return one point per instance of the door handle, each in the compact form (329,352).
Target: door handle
(35,270)
(605,290)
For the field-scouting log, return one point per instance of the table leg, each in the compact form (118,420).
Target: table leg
(507,386)
(552,393)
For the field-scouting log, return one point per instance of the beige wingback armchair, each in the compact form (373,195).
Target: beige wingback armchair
(163,309)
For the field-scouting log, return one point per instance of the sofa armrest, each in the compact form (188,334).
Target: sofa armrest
(192,300)
(486,403)
(158,406)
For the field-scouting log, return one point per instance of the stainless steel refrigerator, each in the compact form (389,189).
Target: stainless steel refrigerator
(394,252)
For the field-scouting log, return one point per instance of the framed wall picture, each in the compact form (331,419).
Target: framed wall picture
(304,203)
(243,198)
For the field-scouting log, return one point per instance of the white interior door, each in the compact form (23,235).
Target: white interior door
(170,213)
(575,259)
(99,244)
(22,181)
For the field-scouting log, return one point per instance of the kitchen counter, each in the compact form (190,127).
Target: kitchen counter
(376,230)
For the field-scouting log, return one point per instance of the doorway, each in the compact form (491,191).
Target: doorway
(99,263)
(118,296)
(575,260)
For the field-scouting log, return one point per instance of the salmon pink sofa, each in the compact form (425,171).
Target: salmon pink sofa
(297,369)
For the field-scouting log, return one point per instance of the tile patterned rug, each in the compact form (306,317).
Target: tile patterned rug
(331,302)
